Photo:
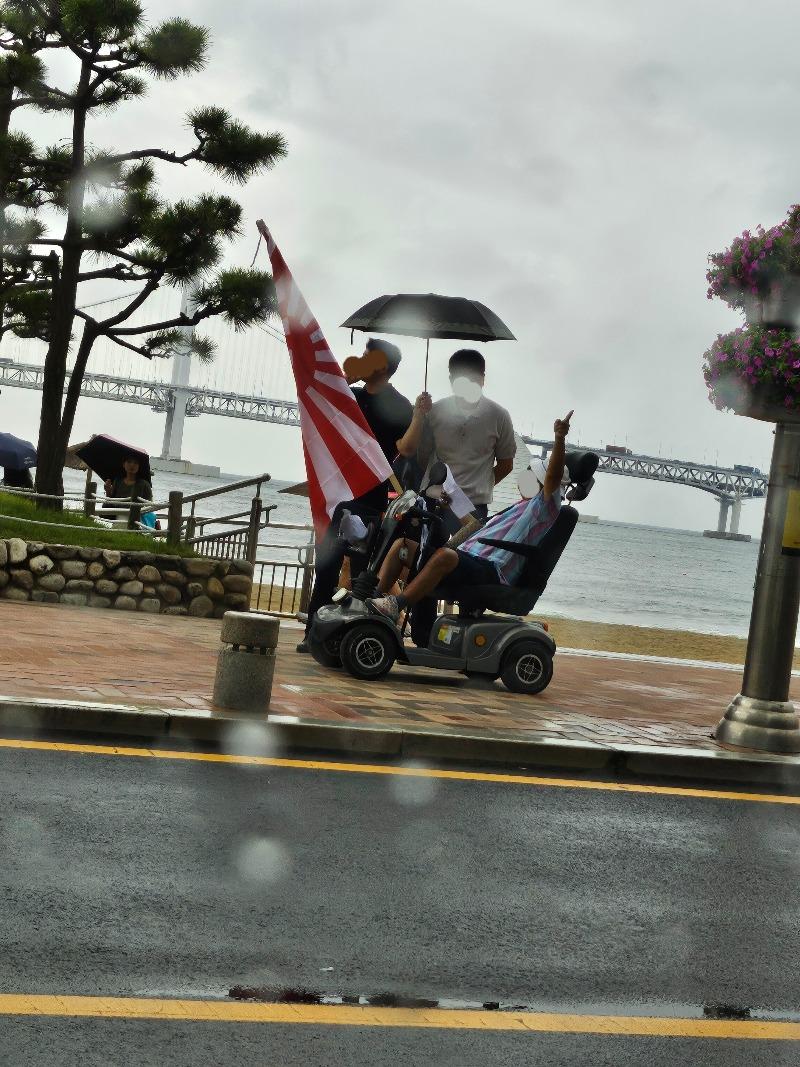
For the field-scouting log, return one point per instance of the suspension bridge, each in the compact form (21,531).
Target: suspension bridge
(251,375)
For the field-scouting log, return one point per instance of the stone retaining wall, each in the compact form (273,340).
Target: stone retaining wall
(127,581)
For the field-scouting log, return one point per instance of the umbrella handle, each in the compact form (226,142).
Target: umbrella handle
(427,349)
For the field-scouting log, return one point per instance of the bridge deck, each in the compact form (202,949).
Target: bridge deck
(722,482)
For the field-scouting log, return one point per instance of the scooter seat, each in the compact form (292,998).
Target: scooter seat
(540,563)
(504,599)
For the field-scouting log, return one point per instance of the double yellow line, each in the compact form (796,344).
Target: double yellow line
(217,1011)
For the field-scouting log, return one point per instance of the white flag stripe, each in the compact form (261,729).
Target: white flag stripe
(317,335)
(363,442)
(334,381)
(324,355)
(296,302)
(306,319)
(331,480)
(282,291)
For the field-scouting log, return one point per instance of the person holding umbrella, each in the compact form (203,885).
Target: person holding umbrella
(473,435)
(130,487)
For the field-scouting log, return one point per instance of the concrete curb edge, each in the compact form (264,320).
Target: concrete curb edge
(513,750)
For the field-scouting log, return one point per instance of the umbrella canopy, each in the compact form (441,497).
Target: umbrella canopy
(301,489)
(105,456)
(73,460)
(428,315)
(16,453)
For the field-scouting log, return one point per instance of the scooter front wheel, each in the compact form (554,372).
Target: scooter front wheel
(527,667)
(367,651)
(326,653)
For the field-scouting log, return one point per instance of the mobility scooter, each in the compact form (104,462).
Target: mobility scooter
(346,633)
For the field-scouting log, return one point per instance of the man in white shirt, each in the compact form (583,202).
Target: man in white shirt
(469,432)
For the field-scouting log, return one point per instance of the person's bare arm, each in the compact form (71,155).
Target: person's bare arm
(409,442)
(502,469)
(505,449)
(555,466)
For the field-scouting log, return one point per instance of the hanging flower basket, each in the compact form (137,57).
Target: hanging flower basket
(760,273)
(755,371)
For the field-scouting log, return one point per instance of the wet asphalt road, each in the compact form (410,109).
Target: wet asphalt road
(143,877)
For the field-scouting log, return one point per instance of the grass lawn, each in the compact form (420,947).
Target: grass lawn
(18,518)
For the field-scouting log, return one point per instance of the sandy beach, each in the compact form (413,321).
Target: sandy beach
(647,641)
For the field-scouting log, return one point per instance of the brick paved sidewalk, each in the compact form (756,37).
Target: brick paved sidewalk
(61,653)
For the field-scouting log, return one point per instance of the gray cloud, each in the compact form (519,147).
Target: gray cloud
(570,164)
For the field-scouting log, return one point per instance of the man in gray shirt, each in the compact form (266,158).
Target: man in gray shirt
(473,435)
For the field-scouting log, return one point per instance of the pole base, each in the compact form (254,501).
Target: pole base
(766,725)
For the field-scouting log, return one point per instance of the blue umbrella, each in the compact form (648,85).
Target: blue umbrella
(16,453)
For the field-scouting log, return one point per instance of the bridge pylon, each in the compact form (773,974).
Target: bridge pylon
(732,504)
(179,395)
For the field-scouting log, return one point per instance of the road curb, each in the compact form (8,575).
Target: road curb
(514,750)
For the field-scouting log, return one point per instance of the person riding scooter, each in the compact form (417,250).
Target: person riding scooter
(478,563)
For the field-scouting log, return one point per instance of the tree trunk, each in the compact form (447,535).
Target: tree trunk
(52,449)
(5,123)
(74,388)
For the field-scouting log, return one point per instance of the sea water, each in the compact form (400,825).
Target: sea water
(610,572)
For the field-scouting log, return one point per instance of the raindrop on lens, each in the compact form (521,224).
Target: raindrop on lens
(249,739)
(263,860)
(411,790)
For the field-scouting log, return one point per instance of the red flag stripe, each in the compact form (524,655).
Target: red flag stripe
(343,458)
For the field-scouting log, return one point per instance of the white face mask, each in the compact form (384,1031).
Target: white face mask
(466,389)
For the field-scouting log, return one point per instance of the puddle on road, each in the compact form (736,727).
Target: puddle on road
(301,995)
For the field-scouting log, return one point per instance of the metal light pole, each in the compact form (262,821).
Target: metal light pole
(762,716)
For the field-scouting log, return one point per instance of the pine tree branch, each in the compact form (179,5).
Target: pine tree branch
(119,273)
(45,13)
(129,309)
(156,153)
(181,320)
(126,344)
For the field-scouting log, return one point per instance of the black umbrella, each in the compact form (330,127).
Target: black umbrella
(105,456)
(428,315)
(16,453)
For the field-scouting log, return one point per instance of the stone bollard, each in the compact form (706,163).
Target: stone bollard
(245,667)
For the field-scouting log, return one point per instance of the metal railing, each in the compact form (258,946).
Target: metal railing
(240,542)
(282,587)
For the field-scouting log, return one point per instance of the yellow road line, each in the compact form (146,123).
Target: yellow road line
(218,1011)
(408,772)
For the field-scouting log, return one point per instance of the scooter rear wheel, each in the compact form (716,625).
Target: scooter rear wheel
(326,653)
(367,651)
(527,667)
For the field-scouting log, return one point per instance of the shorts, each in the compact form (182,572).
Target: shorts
(473,570)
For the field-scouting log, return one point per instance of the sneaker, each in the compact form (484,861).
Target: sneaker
(303,648)
(386,606)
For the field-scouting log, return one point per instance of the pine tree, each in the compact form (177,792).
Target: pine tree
(116,222)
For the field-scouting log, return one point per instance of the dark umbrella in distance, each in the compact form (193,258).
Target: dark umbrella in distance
(429,315)
(301,489)
(105,456)
(15,453)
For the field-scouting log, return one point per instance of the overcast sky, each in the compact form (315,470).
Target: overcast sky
(570,164)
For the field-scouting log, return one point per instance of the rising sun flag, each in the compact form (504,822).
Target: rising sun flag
(343,458)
